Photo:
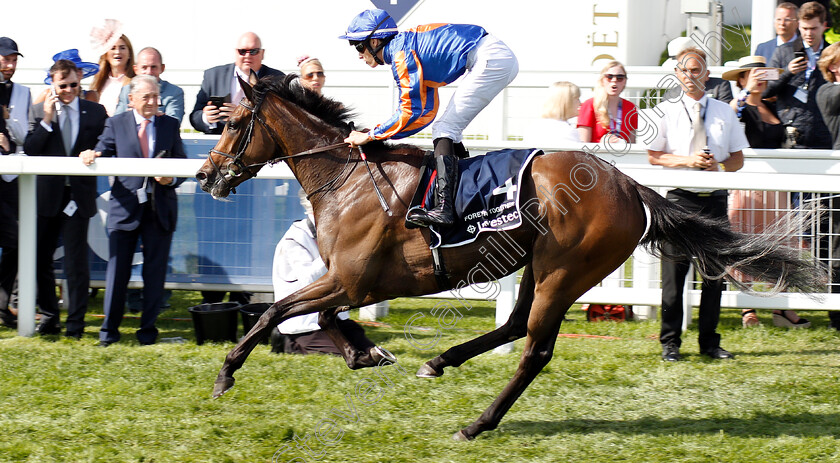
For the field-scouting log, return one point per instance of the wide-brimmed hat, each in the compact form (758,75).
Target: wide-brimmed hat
(103,39)
(745,64)
(88,69)
(8,47)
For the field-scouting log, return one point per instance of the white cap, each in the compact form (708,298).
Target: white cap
(675,47)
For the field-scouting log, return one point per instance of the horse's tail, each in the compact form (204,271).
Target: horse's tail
(718,250)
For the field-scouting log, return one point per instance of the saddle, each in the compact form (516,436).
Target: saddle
(486,196)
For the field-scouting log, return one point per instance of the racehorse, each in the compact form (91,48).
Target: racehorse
(584,219)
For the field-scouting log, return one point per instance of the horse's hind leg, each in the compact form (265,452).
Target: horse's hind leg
(515,328)
(361,356)
(543,326)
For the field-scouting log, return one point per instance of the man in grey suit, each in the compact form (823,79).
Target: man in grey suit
(221,81)
(64,125)
(150,63)
(786,26)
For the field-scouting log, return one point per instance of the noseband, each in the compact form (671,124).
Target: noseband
(236,160)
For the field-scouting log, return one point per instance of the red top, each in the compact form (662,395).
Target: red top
(629,120)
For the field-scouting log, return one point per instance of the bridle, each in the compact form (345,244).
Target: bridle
(236,159)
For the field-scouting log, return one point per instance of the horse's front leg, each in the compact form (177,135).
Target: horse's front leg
(312,298)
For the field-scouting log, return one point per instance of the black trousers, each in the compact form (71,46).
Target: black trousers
(73,230)
(122,243)
(8,240)
(318,342)
(674,272)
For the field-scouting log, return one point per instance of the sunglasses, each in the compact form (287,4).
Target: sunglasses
(248,51)
(617,77)
(360,47)
(71,85)
(312,75)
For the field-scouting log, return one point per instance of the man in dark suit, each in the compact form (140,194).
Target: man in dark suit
(206,117)
(139,207)
(221,81)
(64,125)
(786,26)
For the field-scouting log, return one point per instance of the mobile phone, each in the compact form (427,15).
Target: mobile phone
(799,54)
(218,101)
(771,74)
(57,104)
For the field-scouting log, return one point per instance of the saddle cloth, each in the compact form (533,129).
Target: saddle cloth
(486,197)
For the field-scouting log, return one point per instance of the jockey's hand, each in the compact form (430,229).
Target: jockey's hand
(357,138)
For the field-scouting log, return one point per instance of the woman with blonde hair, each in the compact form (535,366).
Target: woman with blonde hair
(312,74)
(553,129)
(606,113)
(116,65)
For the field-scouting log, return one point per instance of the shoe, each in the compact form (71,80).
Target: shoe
(8,319)
(749,318)
(718,353)
(447,176)
(783,320)
(103,343)
(276,339)
(74,335)
(46,330)
(670,353)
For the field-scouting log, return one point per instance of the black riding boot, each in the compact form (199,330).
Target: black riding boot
(447,175)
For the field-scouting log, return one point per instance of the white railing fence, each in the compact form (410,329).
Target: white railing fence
(765,170)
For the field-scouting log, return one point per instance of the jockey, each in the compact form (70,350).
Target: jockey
(423,59)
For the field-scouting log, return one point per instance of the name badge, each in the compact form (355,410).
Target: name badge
(801,95)
(141,196)
(70,209)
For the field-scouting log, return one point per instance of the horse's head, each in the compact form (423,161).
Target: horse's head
(245,146)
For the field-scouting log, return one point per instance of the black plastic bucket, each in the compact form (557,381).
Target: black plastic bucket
(215,322)
(250,314)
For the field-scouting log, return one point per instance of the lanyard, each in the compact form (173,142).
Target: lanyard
(816,56)
(615,124)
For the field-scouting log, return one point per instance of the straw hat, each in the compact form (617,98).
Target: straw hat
(745,64)
(674,48)
(104,38)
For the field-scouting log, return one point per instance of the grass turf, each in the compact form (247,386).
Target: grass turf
(603,398)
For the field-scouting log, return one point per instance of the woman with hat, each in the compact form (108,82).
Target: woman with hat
(753,211)
(116,65)
(312,74)
(85,70)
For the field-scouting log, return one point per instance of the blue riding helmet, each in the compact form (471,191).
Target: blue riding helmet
(370,24)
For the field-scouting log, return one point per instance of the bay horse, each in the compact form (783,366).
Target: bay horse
(584,219)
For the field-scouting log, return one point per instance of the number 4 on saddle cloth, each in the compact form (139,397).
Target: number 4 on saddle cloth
(486,197)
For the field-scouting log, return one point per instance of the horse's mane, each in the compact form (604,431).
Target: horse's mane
(330,111)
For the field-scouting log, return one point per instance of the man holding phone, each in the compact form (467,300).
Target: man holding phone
(64,125)
(220,91)
(797,86)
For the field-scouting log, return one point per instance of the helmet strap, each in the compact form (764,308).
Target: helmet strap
(375,52)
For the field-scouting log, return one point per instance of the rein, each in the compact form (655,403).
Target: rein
(241,168)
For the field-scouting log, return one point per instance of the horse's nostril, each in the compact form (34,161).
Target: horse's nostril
(201,176)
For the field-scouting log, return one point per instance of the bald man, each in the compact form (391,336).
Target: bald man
(220,81)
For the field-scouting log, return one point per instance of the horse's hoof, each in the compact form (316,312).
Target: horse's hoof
(461,437)
(426,371)
(379,354)
(222,385)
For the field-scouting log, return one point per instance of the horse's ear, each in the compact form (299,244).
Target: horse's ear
(252,78)
(247,88)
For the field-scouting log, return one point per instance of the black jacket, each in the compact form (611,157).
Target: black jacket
(806,117)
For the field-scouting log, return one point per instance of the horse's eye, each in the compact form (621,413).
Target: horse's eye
(232,125)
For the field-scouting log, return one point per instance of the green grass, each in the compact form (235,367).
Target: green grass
(600,399)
